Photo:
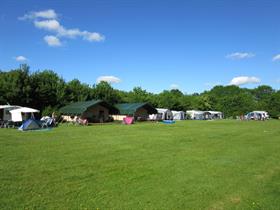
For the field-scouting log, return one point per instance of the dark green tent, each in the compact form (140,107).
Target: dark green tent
(94,110)
(132,108)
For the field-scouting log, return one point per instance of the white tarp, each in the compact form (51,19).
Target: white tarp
(17,113)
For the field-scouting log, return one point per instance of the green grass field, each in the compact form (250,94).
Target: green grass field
(188,165)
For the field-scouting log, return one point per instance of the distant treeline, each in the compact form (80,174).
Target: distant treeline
(47,91)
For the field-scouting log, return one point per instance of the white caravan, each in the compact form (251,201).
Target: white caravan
(163,114)
(195,114)
(215,115)
(5,114)
(204,115)
(178,115)
(257,115)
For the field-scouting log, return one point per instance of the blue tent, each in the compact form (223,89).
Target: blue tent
(30,124)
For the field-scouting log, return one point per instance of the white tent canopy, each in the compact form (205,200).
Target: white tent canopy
(17,113)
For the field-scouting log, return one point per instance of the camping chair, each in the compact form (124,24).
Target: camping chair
(2,124)
(47,122)
(83,121)
(80,121)
(44,124)
(9,124)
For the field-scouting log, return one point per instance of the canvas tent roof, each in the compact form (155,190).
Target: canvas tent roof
(194,112)
(8,106)
(24,110)
(80,107)
(131,108)
(17,113)
(162,110)
(262,112)
(214,112)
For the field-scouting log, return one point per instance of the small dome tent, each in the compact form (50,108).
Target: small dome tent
(30,124)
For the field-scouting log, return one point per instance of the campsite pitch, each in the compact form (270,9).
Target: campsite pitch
(186,165)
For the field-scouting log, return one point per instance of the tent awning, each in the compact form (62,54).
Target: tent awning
(9,107)
(24,110)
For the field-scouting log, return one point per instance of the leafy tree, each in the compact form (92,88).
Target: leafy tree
(76,91)
(170,99)
(47,89)
(104,91)
(263,95)
(15,86)
(140,95)
(274,104)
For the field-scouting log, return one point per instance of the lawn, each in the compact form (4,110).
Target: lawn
(188,165)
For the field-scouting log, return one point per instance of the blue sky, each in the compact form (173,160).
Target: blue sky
(157,45)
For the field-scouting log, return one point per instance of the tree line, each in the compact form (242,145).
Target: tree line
(47,91)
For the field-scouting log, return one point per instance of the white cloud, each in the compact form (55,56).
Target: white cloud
(242,80)
(93,36)
(46,20)
(47,14)
(75,32)
(240,55)
(20,58)
(51,25)
(109,79)
(276,57)
(52,41)
(174,86)
(278,80)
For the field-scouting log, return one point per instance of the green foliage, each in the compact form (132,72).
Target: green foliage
(76,91)
(49,110)
(170,99)
(15,86)
(45,90)
(104,91)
